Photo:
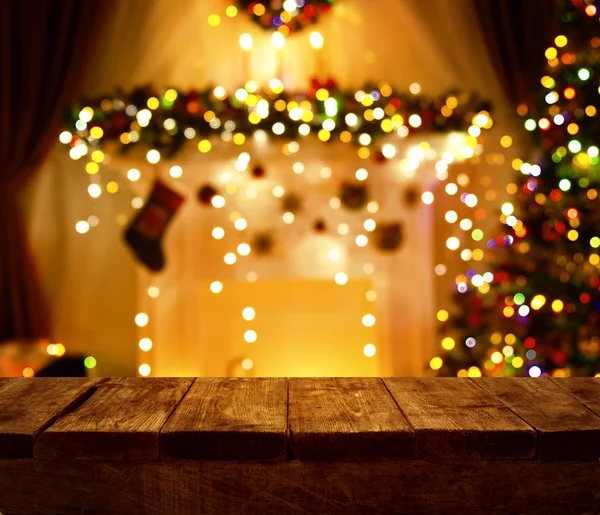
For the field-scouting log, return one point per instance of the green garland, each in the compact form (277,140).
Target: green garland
(165,120)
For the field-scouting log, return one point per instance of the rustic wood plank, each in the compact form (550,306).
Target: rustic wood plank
(586,389)
(346,419)
(5,380)
(499,487)
(454,418)
(229,419)
(121,420)
(566,429)
(27,406)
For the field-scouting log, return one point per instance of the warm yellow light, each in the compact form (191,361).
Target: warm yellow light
(231,11)
(96,132)
(436,363)
(538,302)
(369,225)
(497,357)
(247,364)
(250,336)
(145,344)
(506,141)
(94,190)
(340,278)
(176,172)
(452,243)
(243,249)
(414,120)
(246,42)
(214,20)
(560,41)
(278,40)
(97,156)
(361,174)
(557,305)
(82,227)
(216,286)
(248,313)
(141,319)
(230,258)
(369,350)
(144,370)
(517,362)
(427,197)
(474,372)
(316,40)
(368,320)
(65,137)
(133,174)
(204,146)
(448,343)
(442,315)
(86,114)
(362,240)
(153,156)
(218,201)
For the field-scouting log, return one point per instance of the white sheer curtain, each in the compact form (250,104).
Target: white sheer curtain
(91,279)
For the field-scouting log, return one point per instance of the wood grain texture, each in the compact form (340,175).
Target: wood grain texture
(27,406)
(229,419)
(455,419)
(585,389)
(566,429)
(5,380)
(499,487)
(121,420)
(346,419)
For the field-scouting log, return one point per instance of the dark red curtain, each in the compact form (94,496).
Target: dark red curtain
(516,33)
(44,46)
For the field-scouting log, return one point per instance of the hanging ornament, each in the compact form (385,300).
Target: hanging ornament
(389,236)
(258,172)
(378,157)
(319,225)
(354,196)
(262,243)
(291,203)
(411,195)
(206,194)
(144,234)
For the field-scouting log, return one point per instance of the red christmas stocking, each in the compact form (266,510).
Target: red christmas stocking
(145,232)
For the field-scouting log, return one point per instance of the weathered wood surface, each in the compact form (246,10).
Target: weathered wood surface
(5,380)
(120,421)
(229,419)
(585,390)
(346,419)
(410,487)
(29,406)
(566,429)
(458,420)
(218,446)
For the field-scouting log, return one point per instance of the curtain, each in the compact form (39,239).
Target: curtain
(43,49)
(516,32)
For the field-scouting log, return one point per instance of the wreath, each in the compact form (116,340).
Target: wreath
(293,14)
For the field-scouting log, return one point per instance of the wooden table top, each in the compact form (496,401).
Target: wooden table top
(304,419)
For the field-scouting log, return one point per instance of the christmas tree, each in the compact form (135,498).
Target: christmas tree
(536,310)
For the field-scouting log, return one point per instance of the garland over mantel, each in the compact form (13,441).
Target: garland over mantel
(165,119)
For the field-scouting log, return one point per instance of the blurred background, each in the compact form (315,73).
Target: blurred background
(276,188)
